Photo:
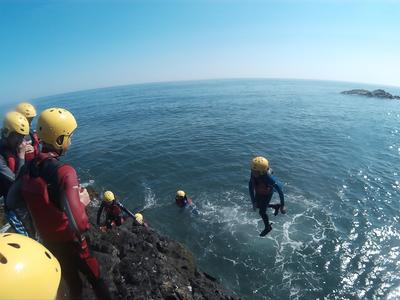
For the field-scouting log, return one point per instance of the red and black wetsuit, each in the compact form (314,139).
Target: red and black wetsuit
(114,213)
(51,192)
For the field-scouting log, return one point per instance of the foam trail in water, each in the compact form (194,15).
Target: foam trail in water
(86,184)
(231,210)
(149,198)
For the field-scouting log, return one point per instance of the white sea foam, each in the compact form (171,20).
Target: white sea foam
(149,198)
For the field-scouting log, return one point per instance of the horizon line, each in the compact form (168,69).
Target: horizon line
(204,79)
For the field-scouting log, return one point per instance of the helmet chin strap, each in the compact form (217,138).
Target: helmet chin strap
(50,148)
(60,143)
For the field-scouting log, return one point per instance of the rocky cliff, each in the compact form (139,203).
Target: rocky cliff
(139,263)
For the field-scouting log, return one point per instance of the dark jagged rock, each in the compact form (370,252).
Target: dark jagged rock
(139,263)
(382,94)
(376,93)
(359,92)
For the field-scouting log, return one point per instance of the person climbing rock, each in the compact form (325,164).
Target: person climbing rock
(261,188)
(116,213)
(139,220)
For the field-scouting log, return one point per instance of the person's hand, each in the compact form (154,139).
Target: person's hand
(103,228)
(21,150)
(84,196)
(29,148)
(283,210)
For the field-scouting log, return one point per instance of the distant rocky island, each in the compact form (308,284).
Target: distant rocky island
(377,93)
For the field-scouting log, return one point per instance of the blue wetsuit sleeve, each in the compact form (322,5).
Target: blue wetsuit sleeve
(251,191)
(278,187)
(99,213)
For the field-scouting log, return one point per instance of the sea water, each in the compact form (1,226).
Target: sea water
(338,156)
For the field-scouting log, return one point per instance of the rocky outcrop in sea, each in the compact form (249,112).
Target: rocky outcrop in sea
(376,93)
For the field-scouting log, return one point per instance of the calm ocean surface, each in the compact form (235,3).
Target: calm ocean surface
(337,155)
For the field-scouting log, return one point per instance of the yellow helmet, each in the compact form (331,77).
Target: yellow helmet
(180,194)
(109,196)
(139,218)
(260,164)
(27,269)
(27,109)
(15,122)
(54,125)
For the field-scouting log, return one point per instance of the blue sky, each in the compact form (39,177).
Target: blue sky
(49,47)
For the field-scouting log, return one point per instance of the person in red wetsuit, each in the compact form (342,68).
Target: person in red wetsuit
(51,192)
(116,213)
(29,111)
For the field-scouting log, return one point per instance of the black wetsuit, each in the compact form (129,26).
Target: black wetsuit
(261,189)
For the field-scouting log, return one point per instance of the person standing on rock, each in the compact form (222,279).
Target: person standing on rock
(51,192)
(29,111)
(261,188)
(13,149)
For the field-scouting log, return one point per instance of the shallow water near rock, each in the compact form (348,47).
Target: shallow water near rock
(337,155)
